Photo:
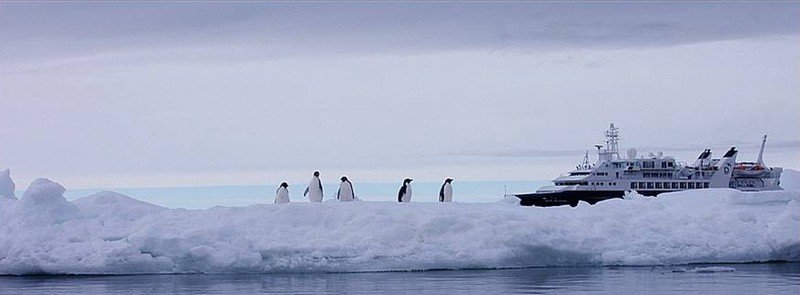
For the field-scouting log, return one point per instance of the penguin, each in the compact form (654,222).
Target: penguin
(446,192)
(282,194)
(404,195)
(346,192)
(314,189)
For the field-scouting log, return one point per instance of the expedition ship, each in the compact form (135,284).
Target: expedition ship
(612,176)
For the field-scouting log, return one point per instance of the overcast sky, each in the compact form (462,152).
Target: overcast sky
(97,94)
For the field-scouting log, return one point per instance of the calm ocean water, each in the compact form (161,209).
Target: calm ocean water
(776,278)
(243,195)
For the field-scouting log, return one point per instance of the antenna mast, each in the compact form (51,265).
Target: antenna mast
(612,141)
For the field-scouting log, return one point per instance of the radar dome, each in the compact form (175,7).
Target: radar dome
(631,153)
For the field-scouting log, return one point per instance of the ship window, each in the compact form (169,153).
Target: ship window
(674,185)
(666,185)
(691,185)
(641,185)
(663,164)
(649,185)
(683,185)
(646,175)
(648,164)
(669,175)
(658,185)
(633,185)
(705,184)
(669,164)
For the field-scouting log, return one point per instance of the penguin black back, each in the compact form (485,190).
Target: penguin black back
(441,192)
(401,193)
(403,190)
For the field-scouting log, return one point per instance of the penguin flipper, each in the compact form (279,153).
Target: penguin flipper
(306,192)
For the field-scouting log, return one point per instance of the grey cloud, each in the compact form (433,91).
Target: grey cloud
(36,30)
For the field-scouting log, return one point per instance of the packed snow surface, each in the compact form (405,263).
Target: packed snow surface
(109,233)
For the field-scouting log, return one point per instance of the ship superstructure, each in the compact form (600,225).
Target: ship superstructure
(613,175)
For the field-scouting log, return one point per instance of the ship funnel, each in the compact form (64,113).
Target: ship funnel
(730,153)
(701,159)
(704,154)
(725,165)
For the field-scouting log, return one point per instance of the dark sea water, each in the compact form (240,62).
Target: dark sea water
(774,278)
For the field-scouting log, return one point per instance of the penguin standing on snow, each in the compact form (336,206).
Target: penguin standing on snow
(345,193)
(446,192)
(282,194)
(314,189)
(404,195)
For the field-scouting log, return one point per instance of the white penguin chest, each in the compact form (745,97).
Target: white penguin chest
(407,195)
(346,192)
(282,196)
(315,187)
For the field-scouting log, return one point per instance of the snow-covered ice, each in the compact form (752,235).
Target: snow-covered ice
(109,233)
(790,180)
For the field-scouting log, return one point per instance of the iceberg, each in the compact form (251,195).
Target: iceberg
(7,185)
(110,233)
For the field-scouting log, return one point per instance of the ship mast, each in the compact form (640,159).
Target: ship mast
(612,140)
(611,150)
(760,160)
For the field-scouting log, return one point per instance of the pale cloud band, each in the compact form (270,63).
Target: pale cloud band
(125,92)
